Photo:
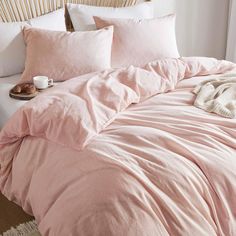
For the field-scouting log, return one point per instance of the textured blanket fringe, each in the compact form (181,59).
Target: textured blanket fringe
(27,229)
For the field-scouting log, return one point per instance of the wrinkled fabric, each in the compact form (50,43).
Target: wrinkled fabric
(124,152)
(218,96)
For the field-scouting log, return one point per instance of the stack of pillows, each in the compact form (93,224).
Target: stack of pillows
(125,36)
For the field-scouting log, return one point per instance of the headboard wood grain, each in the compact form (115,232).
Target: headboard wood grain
(22,10)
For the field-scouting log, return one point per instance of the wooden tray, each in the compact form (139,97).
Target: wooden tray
(22,96)
(26,97)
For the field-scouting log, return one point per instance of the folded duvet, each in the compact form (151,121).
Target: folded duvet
(119,152)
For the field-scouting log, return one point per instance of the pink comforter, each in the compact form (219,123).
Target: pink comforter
(111,153)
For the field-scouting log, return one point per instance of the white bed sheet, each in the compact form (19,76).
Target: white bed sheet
(8,105)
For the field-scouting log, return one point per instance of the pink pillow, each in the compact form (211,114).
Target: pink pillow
(63,55)
(137,42)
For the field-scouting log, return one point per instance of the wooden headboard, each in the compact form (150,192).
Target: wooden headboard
(22,10)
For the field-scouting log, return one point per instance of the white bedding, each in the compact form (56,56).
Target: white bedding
(8,105)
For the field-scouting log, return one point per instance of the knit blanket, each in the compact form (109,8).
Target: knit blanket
(218,96)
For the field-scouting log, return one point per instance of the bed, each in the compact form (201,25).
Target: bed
(124,152)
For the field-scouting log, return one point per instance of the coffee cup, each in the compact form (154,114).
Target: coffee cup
(42,82)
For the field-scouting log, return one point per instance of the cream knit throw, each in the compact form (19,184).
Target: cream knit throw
(218,96)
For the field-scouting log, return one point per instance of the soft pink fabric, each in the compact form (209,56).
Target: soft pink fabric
(63,55)
(137,42)
(101,155)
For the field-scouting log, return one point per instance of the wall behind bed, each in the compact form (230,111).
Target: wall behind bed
(201,25)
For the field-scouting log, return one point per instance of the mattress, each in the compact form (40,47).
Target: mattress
(8,105)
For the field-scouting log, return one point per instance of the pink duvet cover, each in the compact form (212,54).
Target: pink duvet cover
(124,152)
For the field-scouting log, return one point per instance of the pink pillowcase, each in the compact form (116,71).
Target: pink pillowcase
(137,42)
(63,55)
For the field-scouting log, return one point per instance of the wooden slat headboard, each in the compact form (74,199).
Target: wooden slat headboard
(22,10)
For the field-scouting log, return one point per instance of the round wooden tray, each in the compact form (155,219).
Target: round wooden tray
(26,97)
(22,96)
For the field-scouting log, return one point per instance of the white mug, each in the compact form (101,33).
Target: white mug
(42,82)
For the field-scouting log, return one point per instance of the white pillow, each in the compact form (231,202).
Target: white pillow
(82,15)
(12,49)
(51,21)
